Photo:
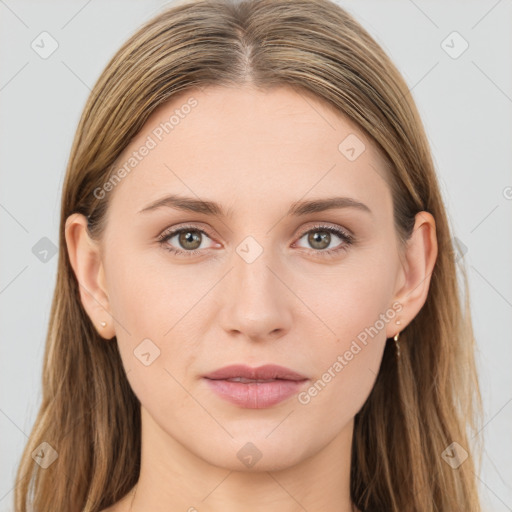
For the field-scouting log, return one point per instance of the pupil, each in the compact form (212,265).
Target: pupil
(188,238)
(322,239)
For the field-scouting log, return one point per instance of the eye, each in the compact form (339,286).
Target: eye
(189,238)
(320,237)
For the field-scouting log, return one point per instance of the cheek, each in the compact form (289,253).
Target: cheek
(150,308)
(351,300)
(345,368)
(355,309)
(149,294)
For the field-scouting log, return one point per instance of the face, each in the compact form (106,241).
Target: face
(253,283)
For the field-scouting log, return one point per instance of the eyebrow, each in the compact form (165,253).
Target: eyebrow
(297,209)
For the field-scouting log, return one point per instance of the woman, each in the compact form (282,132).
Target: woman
(257,302)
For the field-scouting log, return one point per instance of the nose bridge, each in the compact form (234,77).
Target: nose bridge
(256,300)
(251,262)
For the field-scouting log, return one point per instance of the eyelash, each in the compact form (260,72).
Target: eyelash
(347,239)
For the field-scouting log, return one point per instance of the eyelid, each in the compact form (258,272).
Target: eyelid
(327,225)
(343,233)
(199,226)
(193,226)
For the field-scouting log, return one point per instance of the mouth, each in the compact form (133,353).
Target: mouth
(266,372)
(247,381)
(255,388)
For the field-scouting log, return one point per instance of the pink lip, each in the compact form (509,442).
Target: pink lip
(267,371)
(255,395)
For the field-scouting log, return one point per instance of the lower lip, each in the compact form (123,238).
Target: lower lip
(255,395)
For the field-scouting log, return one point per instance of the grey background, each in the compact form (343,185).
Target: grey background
(466,106)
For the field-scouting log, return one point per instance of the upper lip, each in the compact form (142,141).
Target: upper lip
(265,372)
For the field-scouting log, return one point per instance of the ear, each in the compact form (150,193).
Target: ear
(85,257)
(417,265)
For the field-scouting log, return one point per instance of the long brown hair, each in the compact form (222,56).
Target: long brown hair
(419,405)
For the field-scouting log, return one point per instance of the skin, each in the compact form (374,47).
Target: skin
(255,153)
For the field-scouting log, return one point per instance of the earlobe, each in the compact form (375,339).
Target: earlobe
(419,260)
(85,259)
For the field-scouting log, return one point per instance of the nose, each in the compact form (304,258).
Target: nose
(256,304)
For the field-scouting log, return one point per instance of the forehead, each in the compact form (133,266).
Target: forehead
(259,146)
